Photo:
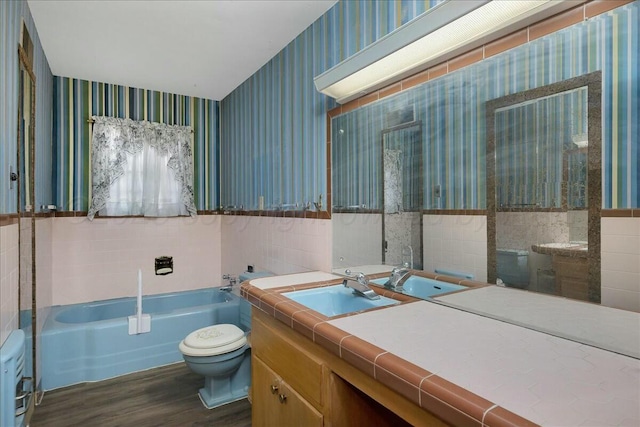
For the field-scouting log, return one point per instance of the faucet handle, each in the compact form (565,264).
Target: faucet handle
(362,279)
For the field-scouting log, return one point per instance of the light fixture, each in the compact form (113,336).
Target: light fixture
(444,31)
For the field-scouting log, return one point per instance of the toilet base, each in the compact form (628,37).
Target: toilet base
(211,401)
(218,391)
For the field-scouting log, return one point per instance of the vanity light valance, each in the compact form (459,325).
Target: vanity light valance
(444,31)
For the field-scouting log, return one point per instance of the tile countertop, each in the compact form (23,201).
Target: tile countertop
(467,369)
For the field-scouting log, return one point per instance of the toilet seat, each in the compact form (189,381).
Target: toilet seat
(213,340)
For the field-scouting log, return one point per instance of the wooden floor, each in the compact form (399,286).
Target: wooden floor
(165,396)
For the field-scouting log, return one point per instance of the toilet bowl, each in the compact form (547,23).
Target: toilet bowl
(222,355)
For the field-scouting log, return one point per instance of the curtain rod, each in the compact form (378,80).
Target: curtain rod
(91,121)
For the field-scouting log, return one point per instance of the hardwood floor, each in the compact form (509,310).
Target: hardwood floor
(165,396)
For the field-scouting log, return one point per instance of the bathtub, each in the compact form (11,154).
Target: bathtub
(90,341)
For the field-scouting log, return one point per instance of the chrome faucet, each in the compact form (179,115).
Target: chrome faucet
(396,278)
(360,285)
(232,282)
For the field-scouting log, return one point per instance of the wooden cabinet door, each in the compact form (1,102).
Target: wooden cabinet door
(295,410)
(266,410)
(276,404)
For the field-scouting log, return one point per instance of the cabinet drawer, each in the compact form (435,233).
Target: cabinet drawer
(297,367)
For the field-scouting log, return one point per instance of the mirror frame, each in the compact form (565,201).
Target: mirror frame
(593,83)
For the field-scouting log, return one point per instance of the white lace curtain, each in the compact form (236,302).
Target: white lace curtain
(141,168)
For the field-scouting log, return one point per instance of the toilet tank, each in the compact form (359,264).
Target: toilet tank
(513,267)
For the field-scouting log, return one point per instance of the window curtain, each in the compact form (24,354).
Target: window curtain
(141,168)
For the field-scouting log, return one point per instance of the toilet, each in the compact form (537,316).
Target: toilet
(221,353)
(513,268)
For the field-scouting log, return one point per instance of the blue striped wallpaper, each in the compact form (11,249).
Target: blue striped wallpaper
(77,100)
(452,111)
(11,14)
(273,141)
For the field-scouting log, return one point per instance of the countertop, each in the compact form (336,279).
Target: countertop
(570,250)
(466,368)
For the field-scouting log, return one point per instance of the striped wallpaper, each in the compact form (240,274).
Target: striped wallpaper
(77,100)
(11,15)
(531,140)
(452,111)
(273,125)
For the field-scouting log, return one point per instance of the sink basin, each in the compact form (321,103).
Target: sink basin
(336,300)
(422,287)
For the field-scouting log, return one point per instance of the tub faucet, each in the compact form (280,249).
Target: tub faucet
(232,282)
(360,285)
(396,278)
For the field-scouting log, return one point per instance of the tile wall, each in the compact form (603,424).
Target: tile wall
(8,280)
(621,263)
(356,239)
(456,243)
(100,259)
(278,245)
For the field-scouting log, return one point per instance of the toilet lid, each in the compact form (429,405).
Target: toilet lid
(213,340)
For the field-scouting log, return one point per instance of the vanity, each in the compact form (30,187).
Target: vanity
(425,363)
(571,266)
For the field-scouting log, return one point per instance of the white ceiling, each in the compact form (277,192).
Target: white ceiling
(202,48)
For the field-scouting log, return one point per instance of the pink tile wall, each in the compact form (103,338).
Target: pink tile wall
(9,312)
(279,245)
(620,266)
(44,280)
(26,263)
(356,239)
(96,260)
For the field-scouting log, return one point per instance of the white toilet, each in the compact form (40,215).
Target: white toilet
(222,355)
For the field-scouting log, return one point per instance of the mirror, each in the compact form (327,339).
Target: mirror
(26,199)
(543,189)
(377,165)
(402,193)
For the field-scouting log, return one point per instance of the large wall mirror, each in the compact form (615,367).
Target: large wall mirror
(377,178)
(544,189)
(26,197)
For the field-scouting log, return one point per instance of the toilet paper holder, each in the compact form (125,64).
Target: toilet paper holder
(164,265)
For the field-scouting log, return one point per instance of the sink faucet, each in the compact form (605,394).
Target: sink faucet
(360,286)
(396,278)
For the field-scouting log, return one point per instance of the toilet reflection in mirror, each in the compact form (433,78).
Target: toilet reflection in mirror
(542,211)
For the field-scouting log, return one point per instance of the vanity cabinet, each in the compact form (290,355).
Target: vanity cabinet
(295,382)
(275,403)
(572,276)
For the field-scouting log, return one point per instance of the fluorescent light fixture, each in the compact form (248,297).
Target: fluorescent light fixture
(442,32)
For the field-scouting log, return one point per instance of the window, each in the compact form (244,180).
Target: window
(141,168)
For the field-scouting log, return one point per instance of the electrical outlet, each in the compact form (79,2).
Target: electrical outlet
(436,191)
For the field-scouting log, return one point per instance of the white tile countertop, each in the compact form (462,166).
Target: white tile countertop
(546,379)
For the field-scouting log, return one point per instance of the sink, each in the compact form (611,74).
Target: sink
(422,287)
(335,300)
